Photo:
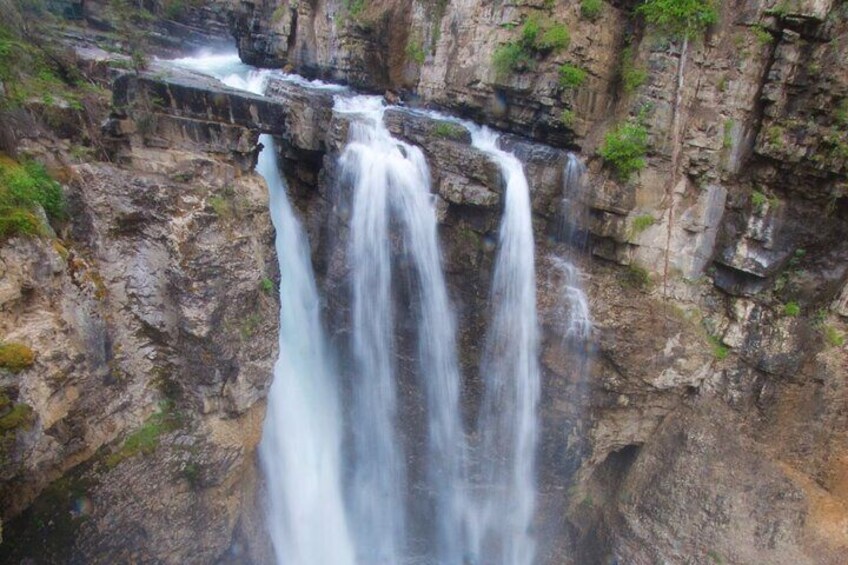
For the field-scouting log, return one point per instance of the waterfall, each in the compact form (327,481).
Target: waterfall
(300,449)
(507,423)
(572,316)
(391,181)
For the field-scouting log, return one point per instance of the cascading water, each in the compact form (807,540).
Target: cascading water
(391,180)
(501,525)
(577,320)
(300,449)
(315,515)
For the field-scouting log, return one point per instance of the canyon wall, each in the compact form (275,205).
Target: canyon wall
(710,425)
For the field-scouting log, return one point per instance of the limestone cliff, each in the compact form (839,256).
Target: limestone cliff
(710,426)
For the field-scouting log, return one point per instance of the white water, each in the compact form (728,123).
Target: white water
(508,426)
(315,516)
(391,181)
(300,449)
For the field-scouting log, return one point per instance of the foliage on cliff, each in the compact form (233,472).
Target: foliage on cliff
(24,188)
(679,18)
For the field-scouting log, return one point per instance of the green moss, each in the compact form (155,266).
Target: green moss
(641,223)
(571,76)
(679,18)
(15,357)
(833,336)
(625,148)
(266,285)
(759,201)
(19,416)
(449,130)
(591,9)
(727,139)
(145,440)
(791,309)
(250,325)
(720,350)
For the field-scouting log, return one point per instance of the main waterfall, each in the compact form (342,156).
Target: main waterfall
(361,503)
(391,181)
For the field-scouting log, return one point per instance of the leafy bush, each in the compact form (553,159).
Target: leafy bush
(758,201)
(554,38)
(16,356)
(509,58)
(762,34)
(637,277)
(537,36)
(624,149)
(791,309)
(679,18)
(571,76)
(591,9)
(567,118)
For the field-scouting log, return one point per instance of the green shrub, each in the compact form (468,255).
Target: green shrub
(591,9)
(509,58)
(15,357)
(449,130)
(679,18)
(415,52)
(23,189)
(554,38)
(642,222)
(720,350)
(791,309)
(536,36)
(759,201)
(266,285)
(762,34)
(567,118)
(571,76)
(624,149)
(833,336)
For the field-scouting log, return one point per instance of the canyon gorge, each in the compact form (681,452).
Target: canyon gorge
(424,281)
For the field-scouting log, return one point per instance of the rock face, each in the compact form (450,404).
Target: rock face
(154,344)
(709,423)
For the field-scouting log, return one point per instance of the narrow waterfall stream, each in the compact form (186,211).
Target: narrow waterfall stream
(391,181)
(333,505)
(508,424)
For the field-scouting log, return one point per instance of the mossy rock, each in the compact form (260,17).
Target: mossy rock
(16,357)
